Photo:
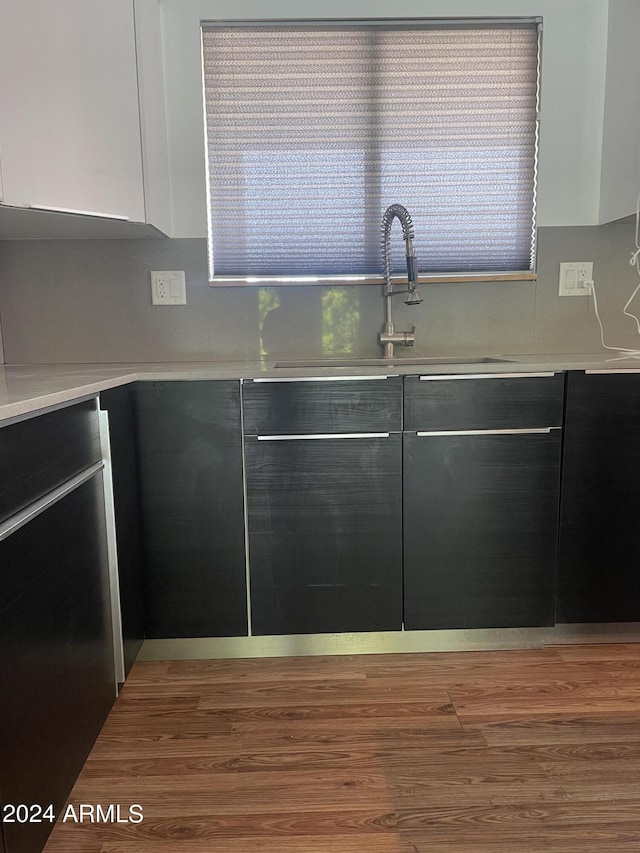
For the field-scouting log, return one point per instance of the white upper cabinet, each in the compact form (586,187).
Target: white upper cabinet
(620,176)
(153,119)
(70,111)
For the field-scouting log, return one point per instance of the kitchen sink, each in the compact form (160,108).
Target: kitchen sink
(389,362)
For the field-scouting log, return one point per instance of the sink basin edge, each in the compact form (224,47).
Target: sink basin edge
(396,362)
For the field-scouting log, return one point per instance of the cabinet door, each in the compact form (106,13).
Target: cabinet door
(325,550)
(480,530)
(599,568)
(69,113)
(190,456)
(56,667)
(119,402)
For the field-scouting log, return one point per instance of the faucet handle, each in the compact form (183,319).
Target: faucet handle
(410,337)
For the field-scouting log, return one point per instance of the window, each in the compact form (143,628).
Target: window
(314,129)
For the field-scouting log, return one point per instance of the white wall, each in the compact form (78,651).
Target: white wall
(573,89)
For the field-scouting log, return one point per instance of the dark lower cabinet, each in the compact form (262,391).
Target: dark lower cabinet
(599,565)
(120,403)
(42,451)
(56,661)
(190,461)
(325,534)
(480,530)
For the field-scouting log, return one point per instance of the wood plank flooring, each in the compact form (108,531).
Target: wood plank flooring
(478,752)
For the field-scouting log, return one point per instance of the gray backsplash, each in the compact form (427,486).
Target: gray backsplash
(75,301)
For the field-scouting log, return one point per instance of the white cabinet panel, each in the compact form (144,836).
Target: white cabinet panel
(153,120)
(69,110)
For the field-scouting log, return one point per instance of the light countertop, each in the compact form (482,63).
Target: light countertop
(26,389)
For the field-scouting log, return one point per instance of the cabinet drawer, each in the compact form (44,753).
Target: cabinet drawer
(305,406)
(483,402)
(38,454)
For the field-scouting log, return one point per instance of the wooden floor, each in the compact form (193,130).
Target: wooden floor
(481,752)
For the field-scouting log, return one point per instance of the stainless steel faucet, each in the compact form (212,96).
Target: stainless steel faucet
(388,336)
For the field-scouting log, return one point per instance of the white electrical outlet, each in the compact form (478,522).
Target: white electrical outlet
(168,287)
(576,278)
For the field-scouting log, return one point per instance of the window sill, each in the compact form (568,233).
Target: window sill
(426,278)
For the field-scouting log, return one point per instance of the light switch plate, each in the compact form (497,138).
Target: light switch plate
(576,278)
(168,287)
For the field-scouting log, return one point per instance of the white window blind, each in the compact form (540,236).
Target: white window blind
(314,130)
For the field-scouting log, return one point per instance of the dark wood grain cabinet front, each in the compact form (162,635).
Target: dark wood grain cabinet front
(483,402)
(481,480)
(599,565)
(480,530)
(324,505)
(43,451)
(57,666)
(325,537)
(190,461)
(322,405)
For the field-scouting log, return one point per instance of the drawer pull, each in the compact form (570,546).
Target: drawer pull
(324,435)
(319,378)
(613,370)
(24,516)
(536,431)
(442,376)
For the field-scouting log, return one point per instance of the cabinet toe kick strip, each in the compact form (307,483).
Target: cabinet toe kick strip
(11,525)
(388,642)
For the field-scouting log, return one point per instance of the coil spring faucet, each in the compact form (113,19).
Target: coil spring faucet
(388,336)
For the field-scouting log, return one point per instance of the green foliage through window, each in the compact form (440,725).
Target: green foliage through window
(340,321)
